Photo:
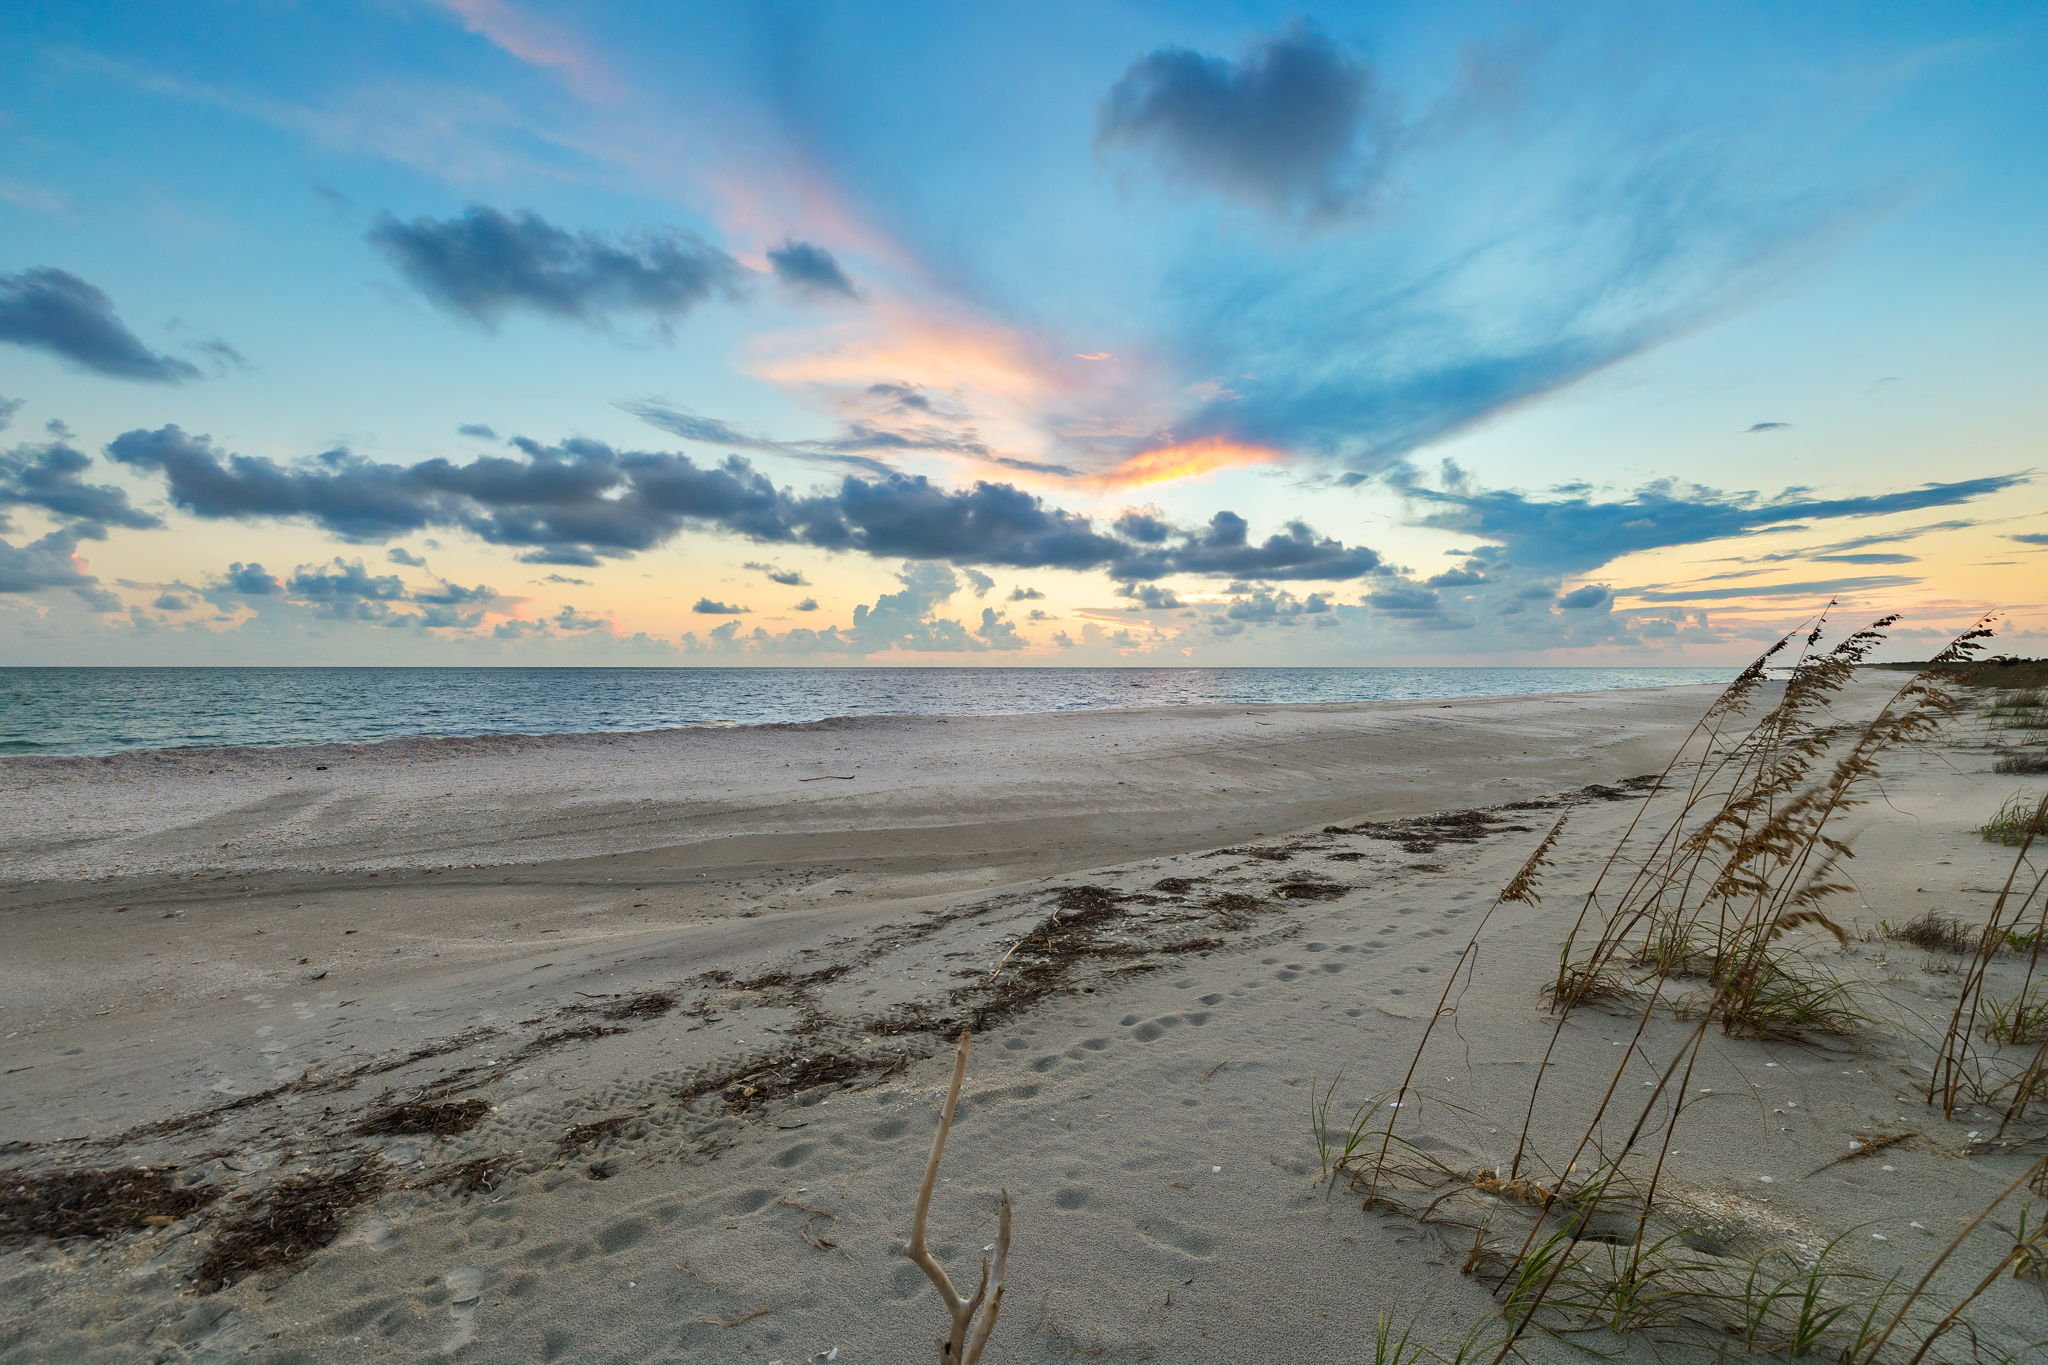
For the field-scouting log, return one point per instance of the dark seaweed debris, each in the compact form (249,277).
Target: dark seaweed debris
(474,1176)
(549,1041)
(586,1134)
(94,1203)
(392,1118)
(285,1225)
(1310,891)
(647,1005)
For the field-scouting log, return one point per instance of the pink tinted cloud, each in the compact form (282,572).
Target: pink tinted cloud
(536,42)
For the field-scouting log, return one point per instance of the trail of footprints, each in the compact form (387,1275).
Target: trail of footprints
(493,1263)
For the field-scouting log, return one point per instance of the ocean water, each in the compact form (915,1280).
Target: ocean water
(112,710)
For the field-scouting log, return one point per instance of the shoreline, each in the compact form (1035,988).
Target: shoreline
(85,742)
(1030,791)
(454,745)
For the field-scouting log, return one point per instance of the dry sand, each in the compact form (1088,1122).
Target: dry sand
(689,995)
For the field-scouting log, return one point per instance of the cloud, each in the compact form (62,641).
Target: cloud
(1843,547)
(1820,588)
(1592,595)
(896,621)
(710,431)
(706,607)
(46,563)
(533,40)
(487,264)
(346,591)
(1150,596)
(564,578)
(1868,559)
(811,270)
(568,618)
(1281,607)
(8,408)
(896,419)
(789,578)
(1280,128)
(583,501)
(49,477)
(2030,538)
(1578,535)
(980,582)
(478,430)
(251,580)
(808,604)
(400,555)
(52,310)
(170,601)
(1024,594)
(1765,426)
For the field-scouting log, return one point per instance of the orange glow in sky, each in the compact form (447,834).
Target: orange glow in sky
(1186,460)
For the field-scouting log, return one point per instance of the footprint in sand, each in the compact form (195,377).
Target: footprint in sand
(465,1286)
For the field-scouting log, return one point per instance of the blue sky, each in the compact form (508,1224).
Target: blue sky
(421,331)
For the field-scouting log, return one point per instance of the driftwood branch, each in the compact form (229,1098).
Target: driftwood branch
(972,1318)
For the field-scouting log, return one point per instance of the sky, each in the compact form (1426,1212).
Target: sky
(527,332)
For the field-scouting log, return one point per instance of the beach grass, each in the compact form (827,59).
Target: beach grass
(2019,820)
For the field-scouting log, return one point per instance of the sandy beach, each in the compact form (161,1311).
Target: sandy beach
(628,1048)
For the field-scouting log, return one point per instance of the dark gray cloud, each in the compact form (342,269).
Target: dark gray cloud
(170,601)
(808,604)
(1280,607)
(47,563)
(251,580)
(1755,427)
(707,607)
(788,578)
(2030,538)
(570,619)
(342,590)
(53,310)
(1590,596)
(51,477)
(1406,600)
(1577,535)
(1149,596)
(1023,594)
(485,264)
(342,581)
(478,430)
(1868,559)
(8,408)
(400,555)
(454,595)
(1281,128)
(564,578)
(583,501)
(810,269)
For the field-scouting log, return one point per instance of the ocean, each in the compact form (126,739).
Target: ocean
(114,710)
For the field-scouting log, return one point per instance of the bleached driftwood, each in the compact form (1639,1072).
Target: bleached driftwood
(973,1318)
